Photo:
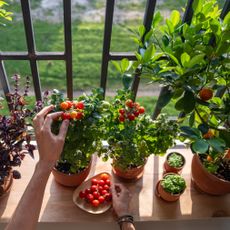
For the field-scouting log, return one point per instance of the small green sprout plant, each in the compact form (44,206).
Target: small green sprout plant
(175,160)
(173,183)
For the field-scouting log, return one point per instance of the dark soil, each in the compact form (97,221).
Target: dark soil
(65,168)
(223,171)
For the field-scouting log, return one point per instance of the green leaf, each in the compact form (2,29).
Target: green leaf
(157,19)
(199,146)
(225,135)
(124,65)
(173,58)
(149,52)
(164,98)
(141,30)
(175,17)
(192,119)
(170,26)
(117,66)
(186,103)
(217,143)
(127,79)
(196,60)
(185,58)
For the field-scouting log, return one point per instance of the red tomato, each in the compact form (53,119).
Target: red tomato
(89,197)
(87,191)
(136,105)
(106,187)
(100,188)
(108,196)
(79,115)
(131,117)
(101,199)
(129,103)
(65,116)
(104,176)
(80,105)
(103,192)
(121,118)
(95,203)
(64,105)
(108,182)
(70,104)
(82,194)
(136,113)
(141,110)
(73,114)
(94,181)
(101,183)
(93,188)
(96,195)
(122,111)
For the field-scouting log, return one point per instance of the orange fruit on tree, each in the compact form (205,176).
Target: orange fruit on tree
(209,134)
(209,158)
(206,94)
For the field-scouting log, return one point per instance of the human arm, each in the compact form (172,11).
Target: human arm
(121,199)
(49,147)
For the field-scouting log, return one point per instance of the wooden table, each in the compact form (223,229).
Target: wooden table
(145,206)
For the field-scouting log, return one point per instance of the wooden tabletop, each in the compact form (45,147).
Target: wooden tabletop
(145,206)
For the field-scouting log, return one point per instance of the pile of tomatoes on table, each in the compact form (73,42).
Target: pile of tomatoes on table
(99,192)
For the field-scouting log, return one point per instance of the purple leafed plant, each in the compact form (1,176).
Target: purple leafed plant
(14,136)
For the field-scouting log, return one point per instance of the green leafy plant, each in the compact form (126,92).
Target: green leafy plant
(132,135)
(175,160)
(4,14)
(173,183)
(85,130)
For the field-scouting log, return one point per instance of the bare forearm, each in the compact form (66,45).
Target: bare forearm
(27,213)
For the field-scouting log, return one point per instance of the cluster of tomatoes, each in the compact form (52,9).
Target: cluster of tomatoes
(131,111)
(99,192)
(72,110)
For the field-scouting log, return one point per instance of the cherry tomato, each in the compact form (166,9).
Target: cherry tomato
(136,105)
(82,194)
(94,181)
(65,116)
(73,114)
(93,188)
(101,183)
(95,203)
(70,104)
(103,192)
(89,197)
(108,182)
(87,191)
(80,105)
(64,105)
(131,117)
(136,113)
(106,187)
(100,188)
(129,103)
(108,196)
(96,195)
(79,115)
(104,176)
(122,111)
(206,94)
(101,199)
(121,118)
(141,110)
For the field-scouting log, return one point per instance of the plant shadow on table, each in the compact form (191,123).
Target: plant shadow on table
(59,206)
(3,202)
(162,209)
(204,205)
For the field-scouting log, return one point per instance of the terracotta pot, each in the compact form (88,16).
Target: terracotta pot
(160,192)
(5,188)
(129,174)
(168,168)
(207,182)
(71,180)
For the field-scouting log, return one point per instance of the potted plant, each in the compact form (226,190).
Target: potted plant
(191,61)
(83,137)
(174,162)
(170,187)
(133,136)
(14,137)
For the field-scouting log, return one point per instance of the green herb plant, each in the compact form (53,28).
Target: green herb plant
(175,160)
(173,183)
(4,14)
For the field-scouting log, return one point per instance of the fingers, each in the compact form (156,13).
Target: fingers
(39,118)
(49,119)
(63,129)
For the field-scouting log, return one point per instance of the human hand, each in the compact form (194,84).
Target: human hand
(121,198)
(49,145)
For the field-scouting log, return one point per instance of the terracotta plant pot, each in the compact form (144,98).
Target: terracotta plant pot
(5,188)
(129,174)
(168,168)
(71,180)
(161,193)
(207,182)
